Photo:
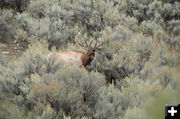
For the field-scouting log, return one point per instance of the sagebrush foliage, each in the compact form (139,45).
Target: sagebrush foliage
(139,59)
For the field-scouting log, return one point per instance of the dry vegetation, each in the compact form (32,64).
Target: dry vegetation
(133,76)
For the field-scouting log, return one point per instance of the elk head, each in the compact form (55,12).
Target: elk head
(88,56)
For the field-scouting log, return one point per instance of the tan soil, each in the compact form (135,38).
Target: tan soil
(11,50)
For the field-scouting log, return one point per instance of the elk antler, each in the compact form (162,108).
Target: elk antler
(97,46)
(76,37)
(90,43)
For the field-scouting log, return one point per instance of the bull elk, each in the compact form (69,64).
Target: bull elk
(76,57)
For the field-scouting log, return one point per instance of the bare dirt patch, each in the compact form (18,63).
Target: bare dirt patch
(11,50)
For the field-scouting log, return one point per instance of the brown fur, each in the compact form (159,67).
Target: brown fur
(88,57)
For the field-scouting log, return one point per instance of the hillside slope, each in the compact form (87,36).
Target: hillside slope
(136,71)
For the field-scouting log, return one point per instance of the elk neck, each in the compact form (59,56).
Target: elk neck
(86,59)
